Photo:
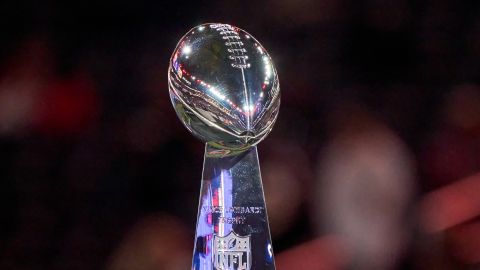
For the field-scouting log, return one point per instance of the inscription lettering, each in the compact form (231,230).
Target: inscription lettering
(234,209)
(234,220)
(239,211)
(229,260)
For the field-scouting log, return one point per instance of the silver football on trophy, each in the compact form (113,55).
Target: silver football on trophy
(224,86)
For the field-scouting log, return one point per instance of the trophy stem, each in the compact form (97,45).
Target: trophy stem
(232,230)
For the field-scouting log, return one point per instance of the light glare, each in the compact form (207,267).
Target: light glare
(187,49)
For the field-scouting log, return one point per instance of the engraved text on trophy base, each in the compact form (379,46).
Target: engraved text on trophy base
(241,211)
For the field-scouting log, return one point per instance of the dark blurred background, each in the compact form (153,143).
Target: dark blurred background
(372,163)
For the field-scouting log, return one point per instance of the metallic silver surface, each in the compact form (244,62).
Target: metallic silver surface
(225,90)
(232,230)
(224,86)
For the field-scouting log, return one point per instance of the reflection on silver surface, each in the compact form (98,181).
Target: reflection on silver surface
(224,86)
(232,231)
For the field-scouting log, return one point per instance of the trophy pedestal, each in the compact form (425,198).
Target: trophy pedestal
(232,225)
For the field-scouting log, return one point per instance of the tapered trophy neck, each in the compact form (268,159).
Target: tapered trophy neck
(232,225)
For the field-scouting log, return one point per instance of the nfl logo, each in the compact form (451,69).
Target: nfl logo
(232,252)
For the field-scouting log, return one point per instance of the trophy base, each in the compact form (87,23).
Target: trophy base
(232,230)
